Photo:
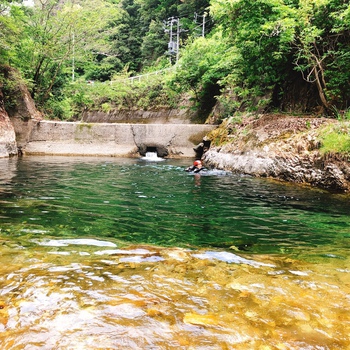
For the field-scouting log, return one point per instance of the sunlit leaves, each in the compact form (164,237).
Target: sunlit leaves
(202,66)
(55,36)
(273,35)
(9,30)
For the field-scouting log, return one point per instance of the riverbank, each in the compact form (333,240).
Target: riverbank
(279,146)
(282,147)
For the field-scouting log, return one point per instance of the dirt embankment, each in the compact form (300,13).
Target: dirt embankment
(281,147)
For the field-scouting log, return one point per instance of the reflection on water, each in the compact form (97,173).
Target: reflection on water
(125,254)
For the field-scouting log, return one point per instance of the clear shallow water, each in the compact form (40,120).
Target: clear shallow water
(136,201)
(125,253)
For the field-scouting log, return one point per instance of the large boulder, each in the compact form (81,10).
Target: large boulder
(8,145)
(21,109)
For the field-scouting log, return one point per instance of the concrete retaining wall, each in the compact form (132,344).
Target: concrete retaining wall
(161,116)
(119,140)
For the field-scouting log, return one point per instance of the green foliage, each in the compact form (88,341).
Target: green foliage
(54,35)
(321,54)
(346,115)
(11,82)
(154,44)
(201,68)
(9,30)
(122,93)
(59,109)
(272,36)
(335,139)
(261,31)
(251,58)
(8,87)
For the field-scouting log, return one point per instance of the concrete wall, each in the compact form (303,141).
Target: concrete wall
(119,140)
(161,116)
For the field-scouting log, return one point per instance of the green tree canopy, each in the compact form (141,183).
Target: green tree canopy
(9,29)
(55,36)
(312,36)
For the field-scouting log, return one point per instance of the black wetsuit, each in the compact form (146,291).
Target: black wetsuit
(194,169)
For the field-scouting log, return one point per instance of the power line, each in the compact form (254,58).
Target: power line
(203,22)
(173,27)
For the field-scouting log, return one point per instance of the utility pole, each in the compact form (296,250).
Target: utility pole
(73,58)
(202,24)
(177,40)
(173,45)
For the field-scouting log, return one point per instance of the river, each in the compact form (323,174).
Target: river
(109,253)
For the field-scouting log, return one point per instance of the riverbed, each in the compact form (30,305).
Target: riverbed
(104,253)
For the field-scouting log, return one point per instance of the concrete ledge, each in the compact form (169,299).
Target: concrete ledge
(119,140)
(79,149)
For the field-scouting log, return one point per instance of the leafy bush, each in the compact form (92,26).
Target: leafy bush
(58,109)
(118,94)
(201,69)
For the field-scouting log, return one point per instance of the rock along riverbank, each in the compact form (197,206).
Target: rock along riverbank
(281,147)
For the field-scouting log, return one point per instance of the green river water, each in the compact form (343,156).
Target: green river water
(105,253)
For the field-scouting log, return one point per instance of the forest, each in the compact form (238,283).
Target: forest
(290,56)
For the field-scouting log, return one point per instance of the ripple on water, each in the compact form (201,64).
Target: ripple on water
(76,241)
(263,265)
(173,298)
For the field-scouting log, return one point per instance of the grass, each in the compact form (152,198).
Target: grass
(335,138)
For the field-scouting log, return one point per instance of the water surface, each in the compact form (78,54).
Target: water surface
(136,254)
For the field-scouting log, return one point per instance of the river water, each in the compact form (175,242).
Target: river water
(136,254)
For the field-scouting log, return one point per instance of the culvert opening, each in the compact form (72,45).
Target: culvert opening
(157,151)
(151,150)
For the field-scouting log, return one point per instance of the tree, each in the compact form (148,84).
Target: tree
(322,49)
(273,35)
(201,69)
(261,32)
(154,44)
(54,36)
(8,29)
(125,36)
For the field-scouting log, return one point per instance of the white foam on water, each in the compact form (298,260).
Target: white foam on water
(77,241)
(152,157)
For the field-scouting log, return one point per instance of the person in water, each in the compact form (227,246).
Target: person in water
(196,167)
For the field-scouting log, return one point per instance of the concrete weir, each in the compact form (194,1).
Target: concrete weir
(118,140)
